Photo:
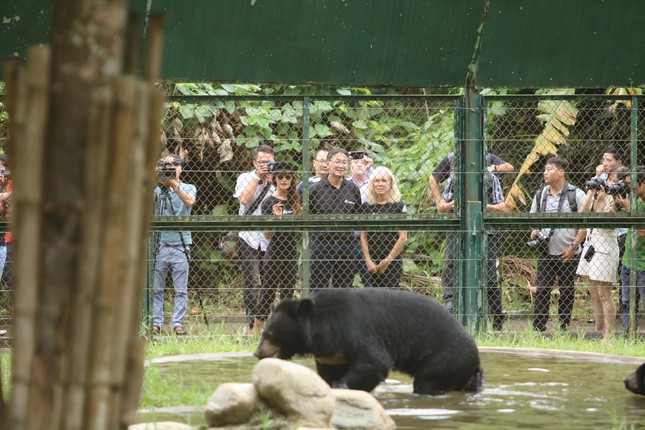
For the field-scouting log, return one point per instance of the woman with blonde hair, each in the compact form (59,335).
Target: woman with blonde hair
(382,250)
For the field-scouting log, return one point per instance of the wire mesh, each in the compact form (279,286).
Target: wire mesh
(385,211)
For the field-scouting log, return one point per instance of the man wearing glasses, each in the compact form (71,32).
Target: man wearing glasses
(332,256)
(320,168)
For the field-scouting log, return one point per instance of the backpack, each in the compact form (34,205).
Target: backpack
(571,193)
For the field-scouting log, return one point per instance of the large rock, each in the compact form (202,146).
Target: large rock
(231,403)
(163,425)
(294,391)
(358,410)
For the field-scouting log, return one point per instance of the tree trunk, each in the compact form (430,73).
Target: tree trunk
(83,178)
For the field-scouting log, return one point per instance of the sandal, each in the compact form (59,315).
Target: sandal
(180,330)
(156,330)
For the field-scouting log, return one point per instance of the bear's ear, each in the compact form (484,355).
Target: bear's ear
(305,307)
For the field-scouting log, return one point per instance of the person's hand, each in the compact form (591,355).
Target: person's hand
(599,170)
(383,264)
(623,201)
(445,207)
(368,162)
(568,253)
(533,234)
(278,209)
(262,171)
(371,266)
(171,184)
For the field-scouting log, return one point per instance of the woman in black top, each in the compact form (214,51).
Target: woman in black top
(382,250)
(280,264)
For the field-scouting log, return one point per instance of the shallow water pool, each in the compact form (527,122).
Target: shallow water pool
(534,389)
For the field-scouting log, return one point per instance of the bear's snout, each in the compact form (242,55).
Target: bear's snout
(266,350)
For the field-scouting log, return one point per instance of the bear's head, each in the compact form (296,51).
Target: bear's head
(286,331)
(636,381)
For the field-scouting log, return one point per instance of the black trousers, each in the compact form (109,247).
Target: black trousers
(251,265)
(550,269)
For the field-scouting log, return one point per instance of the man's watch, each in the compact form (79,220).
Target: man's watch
(574,246)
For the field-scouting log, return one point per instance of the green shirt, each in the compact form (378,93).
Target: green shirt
(640,244)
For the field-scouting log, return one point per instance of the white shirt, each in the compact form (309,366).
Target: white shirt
(255,239)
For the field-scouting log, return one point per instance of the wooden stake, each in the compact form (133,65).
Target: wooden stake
(31,119)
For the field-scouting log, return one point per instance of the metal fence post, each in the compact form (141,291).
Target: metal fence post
(633,202)
(471,210)
(305,194)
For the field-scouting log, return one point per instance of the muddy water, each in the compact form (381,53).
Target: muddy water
(523,389)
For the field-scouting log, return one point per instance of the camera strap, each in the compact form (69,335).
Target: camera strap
(253,207)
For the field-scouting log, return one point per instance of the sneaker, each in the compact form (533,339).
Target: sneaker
(3,332)
(156,330)
(180,330)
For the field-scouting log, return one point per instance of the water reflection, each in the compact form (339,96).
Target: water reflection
(522,389)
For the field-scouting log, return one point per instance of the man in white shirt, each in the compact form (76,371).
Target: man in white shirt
(251,189)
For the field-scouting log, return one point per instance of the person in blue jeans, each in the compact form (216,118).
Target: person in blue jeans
(172,198)
(629,263)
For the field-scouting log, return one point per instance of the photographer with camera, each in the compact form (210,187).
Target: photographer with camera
(172,198)
(444,172)
(559,249)
(251,189)
(627,264)
(599,262)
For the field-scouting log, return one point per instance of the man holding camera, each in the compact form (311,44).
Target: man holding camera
(172,198)
(560,249)
(251,189)
(445,203)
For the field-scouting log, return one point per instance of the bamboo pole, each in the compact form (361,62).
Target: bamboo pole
(134,370)
(96,182)
(135,205)
(30,115)
(112,273)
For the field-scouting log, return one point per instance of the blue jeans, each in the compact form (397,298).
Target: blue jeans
(175,259)
(624,293)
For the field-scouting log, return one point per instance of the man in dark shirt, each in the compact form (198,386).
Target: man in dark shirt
(332,256)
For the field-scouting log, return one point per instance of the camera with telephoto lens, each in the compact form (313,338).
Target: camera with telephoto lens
(595,183)
(541,241)
(620,189)
(356,155)
(166,171)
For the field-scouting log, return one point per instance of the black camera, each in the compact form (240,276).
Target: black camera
(595,183)
(5,173)
(620,189)
(166,171)
(271,165)
(541,241)
(356,155)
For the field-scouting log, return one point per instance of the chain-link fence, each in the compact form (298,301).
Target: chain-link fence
(242,229)
(401,159)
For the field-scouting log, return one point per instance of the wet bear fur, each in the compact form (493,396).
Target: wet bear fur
(357,336)
(636,381)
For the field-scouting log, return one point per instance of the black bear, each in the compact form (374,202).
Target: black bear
(636,381)
(357,336)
